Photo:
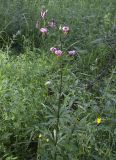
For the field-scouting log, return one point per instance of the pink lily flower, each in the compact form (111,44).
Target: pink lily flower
(44,30)
(72,53)
(65,29)
(52,24)
(53,49)
(43,13)
(58,53)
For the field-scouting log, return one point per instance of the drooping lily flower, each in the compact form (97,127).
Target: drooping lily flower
(44,30)
(53,49)
(52,23)
(72,53)
(58,53)
(65,29)
(43,13)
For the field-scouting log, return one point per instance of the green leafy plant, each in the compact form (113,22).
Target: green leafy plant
(57,98)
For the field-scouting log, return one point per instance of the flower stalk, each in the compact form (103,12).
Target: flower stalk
(59,102)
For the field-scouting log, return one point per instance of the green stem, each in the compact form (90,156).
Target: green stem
(59,103)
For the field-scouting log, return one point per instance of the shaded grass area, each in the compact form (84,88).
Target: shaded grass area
(28,107)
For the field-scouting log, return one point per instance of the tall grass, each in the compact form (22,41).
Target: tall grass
(32,125)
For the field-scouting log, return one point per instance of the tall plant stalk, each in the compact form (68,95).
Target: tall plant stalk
(59,103)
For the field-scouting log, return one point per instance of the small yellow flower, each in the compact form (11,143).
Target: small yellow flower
(98,120)
(47,140)
(40,135)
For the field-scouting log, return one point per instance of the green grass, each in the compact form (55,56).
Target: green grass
(29,108)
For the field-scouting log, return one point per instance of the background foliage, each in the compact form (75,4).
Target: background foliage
(28,108)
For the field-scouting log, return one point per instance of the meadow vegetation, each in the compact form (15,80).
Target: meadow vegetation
(57,85)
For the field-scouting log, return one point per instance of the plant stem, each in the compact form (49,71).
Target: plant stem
(59,103)
(59,107)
